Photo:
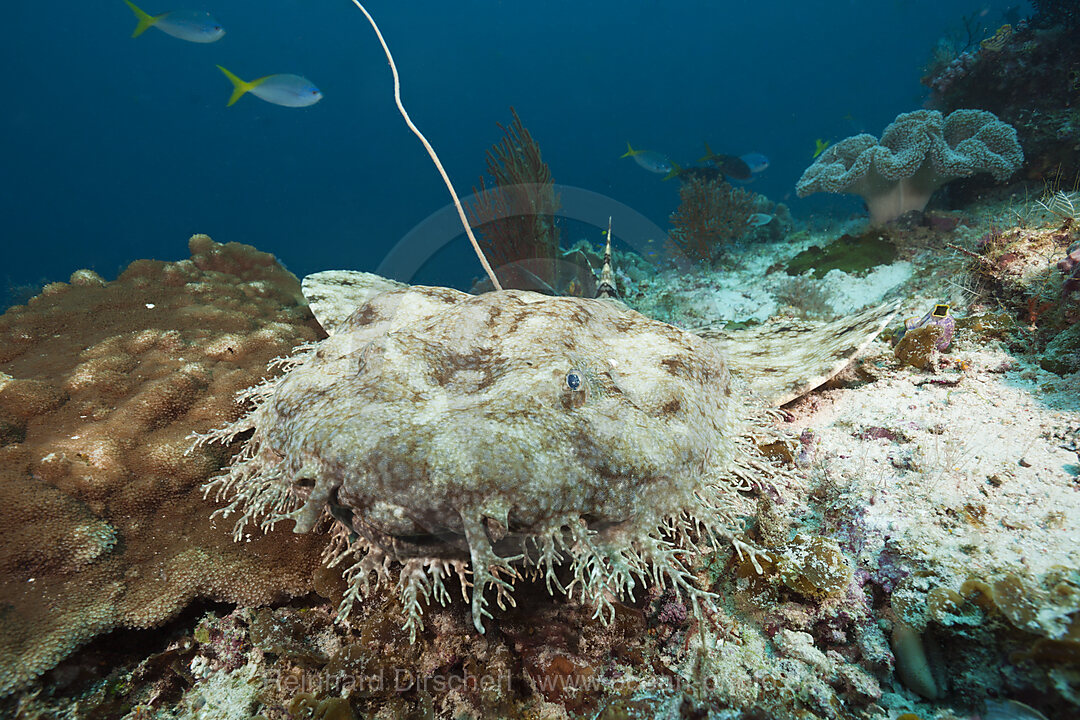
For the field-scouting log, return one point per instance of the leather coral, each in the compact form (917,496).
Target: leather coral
(918,153)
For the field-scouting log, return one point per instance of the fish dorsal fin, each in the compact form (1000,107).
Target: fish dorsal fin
(606,287)
(334,294)
(784,359)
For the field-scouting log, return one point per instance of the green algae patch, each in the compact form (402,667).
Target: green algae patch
(850,253)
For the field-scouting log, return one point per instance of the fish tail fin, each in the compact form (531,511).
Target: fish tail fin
(240,87)
(708,153)
(630,151)
(146,20)
(673,172)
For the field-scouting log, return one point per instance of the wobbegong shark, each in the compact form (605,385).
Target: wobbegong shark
(446,438)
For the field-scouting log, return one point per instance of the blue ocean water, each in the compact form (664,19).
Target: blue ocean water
(118,148)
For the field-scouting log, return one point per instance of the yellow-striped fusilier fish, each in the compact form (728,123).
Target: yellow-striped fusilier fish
(191,25)
(649,159)
(282,89)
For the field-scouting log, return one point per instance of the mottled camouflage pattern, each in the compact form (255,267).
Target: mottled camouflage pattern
(498,434)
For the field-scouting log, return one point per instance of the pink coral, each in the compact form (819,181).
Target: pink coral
(952,72)
(1070,266)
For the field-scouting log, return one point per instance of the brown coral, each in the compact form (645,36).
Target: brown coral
(515,218)
(105,521)
(712,214)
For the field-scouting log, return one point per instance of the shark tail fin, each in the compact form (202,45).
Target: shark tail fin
(786,358)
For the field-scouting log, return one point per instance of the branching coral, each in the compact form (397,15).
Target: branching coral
(711,215)
(918,153)
(104,520)
(516,216)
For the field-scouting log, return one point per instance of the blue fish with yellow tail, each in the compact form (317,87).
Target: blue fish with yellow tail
(649,159)
(282,89)
(191,25)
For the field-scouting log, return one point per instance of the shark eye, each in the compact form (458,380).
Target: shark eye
(582,384)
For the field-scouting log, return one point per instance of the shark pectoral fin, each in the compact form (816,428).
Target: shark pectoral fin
(334,295)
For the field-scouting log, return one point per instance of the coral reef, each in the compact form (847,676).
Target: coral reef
(1068,266)
(942,79)
(963,640)
(894,575)
(1051,13)
(1028,78)
(548,660)
(904,538)
(105,524)
(918,153)
(1028,271)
